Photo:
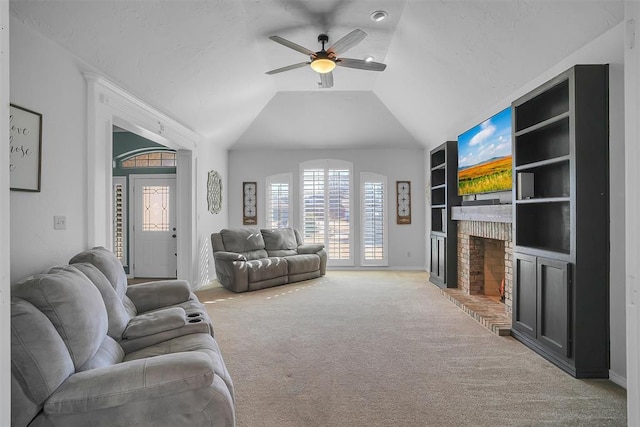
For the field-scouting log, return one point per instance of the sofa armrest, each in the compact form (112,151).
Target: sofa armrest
(153,295)
(231,271)
(310,248)
(155,322)
(318,250)
(229,256)
(130,382)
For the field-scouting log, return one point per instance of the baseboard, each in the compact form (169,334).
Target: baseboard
(376,268)
(618,379)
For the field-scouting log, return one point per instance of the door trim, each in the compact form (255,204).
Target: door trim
(108,104)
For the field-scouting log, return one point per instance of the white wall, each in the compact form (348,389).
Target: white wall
(210,157)
(606,49)
(46,79)
(5,352)
(400,164)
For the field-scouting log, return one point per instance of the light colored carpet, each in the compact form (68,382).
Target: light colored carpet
(386,349)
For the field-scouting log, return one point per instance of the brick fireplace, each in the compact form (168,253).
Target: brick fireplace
(485,251)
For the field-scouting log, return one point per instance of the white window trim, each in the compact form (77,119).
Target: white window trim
(282,178)
(135,153)
(376,178)
(327,164)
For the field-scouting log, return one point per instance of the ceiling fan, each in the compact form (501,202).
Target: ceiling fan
(324,61)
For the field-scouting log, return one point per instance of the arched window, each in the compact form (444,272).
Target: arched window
(150,159)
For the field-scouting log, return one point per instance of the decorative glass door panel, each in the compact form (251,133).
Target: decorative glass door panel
(155,233)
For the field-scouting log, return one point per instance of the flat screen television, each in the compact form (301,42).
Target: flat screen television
(484,156)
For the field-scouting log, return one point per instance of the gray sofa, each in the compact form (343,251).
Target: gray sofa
(86,351)
(248,259)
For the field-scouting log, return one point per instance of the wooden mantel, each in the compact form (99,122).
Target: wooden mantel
(486,213)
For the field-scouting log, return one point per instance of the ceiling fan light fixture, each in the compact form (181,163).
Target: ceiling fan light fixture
(379,15)
(323,65)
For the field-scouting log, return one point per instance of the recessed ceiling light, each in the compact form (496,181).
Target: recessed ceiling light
(369,59)
(379,15)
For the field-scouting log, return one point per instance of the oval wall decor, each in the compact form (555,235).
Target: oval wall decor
(214,192)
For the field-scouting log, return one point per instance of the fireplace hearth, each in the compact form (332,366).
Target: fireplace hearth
(485,252)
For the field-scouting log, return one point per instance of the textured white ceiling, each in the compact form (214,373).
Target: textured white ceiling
(325,119)
(203,62)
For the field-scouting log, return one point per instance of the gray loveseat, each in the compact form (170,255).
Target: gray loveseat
(86,351)
(248,259)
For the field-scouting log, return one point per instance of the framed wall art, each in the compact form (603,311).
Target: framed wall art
(249,203)
(25,148)
(403,205)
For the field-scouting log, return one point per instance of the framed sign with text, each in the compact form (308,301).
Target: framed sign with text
(25,148)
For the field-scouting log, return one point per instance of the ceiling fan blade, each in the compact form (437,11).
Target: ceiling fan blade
(326,80)
(347,42)
(288,67)
(361,64)
(292,45)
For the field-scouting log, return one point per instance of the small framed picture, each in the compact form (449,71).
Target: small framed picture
(249,203)
(25,148)
(403,193)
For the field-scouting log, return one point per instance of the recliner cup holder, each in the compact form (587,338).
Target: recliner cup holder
(194,315)
(195,320)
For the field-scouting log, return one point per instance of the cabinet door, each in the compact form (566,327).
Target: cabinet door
(553,305)
(438,260)
(524,294)
(442,258)
(434,256)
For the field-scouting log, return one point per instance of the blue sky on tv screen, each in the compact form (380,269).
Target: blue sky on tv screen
(488,140)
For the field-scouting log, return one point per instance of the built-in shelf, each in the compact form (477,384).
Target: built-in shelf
(561,221)
(443,195)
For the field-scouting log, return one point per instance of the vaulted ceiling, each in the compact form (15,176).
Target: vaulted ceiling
(204,62)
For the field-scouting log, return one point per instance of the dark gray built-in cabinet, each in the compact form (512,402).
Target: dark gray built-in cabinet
(444,194)
(561,221)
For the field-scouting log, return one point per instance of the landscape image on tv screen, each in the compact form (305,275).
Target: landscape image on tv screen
(484,156)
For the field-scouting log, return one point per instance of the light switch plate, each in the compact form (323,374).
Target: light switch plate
(59,222)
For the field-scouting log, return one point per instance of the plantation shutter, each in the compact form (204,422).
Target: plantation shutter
(313,205)
(278,188)
(119,220)
(374,219)
(326,208)
(339,196)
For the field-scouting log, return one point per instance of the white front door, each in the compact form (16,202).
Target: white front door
(154,227)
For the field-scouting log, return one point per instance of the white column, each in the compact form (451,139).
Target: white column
(5,265)
(632,195)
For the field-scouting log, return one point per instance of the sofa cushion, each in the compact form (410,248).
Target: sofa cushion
(108,264)
(242,240)
(73,305)
(303,263)
(266,268)
(117,315)
(147,379)
(279,239)
(282,252)
(109,354)
(201,343)
(155,322)
(40,361)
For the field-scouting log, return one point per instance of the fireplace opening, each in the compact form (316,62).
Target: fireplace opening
(487,267)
